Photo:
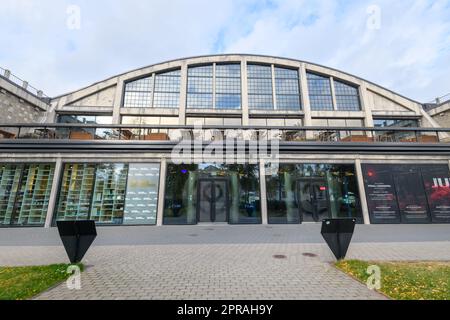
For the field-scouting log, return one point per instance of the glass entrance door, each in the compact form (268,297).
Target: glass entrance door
(313,199)
(212,201)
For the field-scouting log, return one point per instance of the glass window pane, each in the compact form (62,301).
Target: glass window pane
(228,101)
(9,184)
(141,202)
(347,96)
(75,192)
(259,71)
(138,93)
(311,192)
(109,193)
(228,70)
(200,101)
(396,123)
(319,92)
(200,87)
(236,198)
(201,71)
(167,89)
(260,87)
(260,102)
(286,73)
(34,195)
(288,102)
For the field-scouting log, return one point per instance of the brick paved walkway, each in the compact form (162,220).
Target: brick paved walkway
(219,270)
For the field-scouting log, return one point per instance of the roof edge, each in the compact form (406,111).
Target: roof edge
(238,54)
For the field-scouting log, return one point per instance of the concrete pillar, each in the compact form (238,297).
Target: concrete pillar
(183,94)
(244,94)
(362,191)
(274,90)
(54,193)
(214,87)
(263,196)
(306,104)
(162,191)
(365,106)
(25,85)
(118,101)
(333,94)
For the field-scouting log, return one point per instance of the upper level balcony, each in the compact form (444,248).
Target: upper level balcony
(69,133)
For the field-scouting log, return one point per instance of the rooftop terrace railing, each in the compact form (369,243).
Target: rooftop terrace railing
(172,133)
(6,74)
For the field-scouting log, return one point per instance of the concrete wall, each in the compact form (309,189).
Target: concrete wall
(17,105)
(16,110)
(441,115)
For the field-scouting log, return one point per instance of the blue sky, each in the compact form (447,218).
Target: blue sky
(408,53)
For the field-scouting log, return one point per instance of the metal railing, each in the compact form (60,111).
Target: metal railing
(172,133)
(6,74)
(439,100)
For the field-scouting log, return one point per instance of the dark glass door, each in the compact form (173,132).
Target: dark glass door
(212,203)
(313,199)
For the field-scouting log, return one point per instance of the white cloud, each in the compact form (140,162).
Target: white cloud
(409,54)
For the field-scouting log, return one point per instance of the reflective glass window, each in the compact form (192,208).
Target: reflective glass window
(200,87)
(138,93)
(141,202)
(260,89)
(347,96)
(228,86)
(319,92)
(396,123)
(84,119)
(189,198)
(406,193)
(311,192)
(24,193)
(99,192)
(287,88)
(167,89)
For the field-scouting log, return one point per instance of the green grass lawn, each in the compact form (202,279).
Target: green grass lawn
(20,283)
(406,280)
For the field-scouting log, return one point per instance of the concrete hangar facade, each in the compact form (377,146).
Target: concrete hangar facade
(301,142)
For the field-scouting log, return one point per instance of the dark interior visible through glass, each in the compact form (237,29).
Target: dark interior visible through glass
(311,192)
(212,193)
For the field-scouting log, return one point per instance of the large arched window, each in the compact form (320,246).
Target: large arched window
(161,90)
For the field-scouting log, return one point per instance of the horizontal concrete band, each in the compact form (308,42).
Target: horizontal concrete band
(283,147)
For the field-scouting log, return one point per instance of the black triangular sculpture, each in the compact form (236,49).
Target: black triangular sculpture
(77,237)
(338,234)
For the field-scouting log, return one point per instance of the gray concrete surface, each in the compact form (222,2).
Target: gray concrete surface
(221,262)
(228,234)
